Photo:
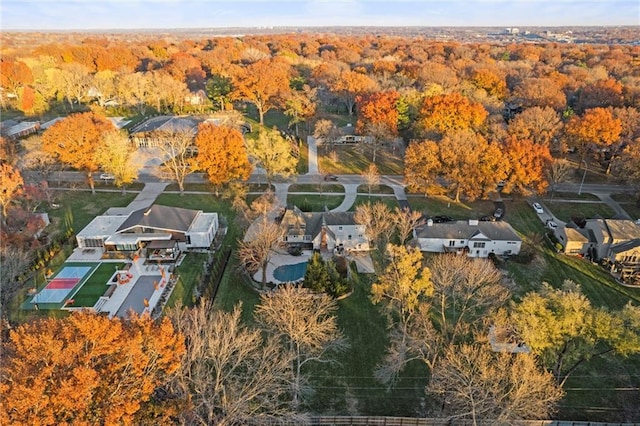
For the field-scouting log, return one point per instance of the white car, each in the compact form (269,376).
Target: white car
(107,176)
(538,208)
(552,225)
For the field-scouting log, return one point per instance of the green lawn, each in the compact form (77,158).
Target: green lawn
(441,205)
(379,189)
(191,273)
(565,211)
(573,196)
(354,160)
(391,202)
(96,285)
(314,203)
(321,186)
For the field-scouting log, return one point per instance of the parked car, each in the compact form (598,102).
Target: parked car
(488,219)
(442,219)
(552,225)
(498,213)
(107,176)
(538,208)
(331,177)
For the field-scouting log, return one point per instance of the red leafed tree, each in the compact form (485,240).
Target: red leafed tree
(602,93)
(222,154)
(14,75)
(74,141)
(527,164)
(378,109)
(88,369)
(450,113)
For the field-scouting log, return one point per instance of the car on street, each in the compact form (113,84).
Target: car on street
(498,213)
(552,225)
(538,208)
(442,219)
(107,176)
(330,177)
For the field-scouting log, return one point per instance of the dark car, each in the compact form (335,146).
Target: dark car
(498,213)
(294,250)
(488,219)
(442,219)
(331,177)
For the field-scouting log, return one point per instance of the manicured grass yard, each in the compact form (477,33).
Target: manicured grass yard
(190,272)
(314,203)
(441,205)
(319,187)
(96,285)
(379,189)
(391,202)
(353,159)
(564,211)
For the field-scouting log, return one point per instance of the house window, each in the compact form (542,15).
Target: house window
(188,239)
(349,237)
(307,238)
(452,243)
(339,228)
(478,244)
(286,238)
(359,235)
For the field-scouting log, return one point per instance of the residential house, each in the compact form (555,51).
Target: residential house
(323,231)
(473,237)
(151,132)
(573,241)
(158,232)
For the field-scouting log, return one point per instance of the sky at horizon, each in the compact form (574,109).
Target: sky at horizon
(168,14)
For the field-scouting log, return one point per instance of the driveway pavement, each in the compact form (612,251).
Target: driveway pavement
(145,199)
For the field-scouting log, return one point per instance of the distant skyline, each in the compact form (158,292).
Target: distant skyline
(168,14)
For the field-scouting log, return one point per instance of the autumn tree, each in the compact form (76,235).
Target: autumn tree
(222,154)
(10,187)
(116,156)
(489,80)
(229,372)
(88,369)
(219,89)
(378,108)
(539,125)
(14,75)
(596,128)
(474,383)
(176,148)
(15,260)
(406,221)
(74,141)
(527,164)
(301,105)
(540,92)
(264,83)
(451,112)
(565,330)
(256,249)
(371,177)
(422,166)
(349,84)
(307,326)
(378,223)
(273,154)
(601,93)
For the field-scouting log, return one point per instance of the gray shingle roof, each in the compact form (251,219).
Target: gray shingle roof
(627,245)
(462,230)
(160,217)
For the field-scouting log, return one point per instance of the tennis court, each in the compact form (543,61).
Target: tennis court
(62,284)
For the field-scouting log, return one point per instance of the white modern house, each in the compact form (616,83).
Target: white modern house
(323,231)
(162,232)
(473,237)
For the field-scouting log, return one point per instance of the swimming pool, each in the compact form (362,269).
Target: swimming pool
(288,273)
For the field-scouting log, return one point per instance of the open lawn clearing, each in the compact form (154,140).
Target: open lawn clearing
(565,211)
(352,159)
(339,119)
(391,202)
(272,118)
(78,208)
(314,203)
(365,327)
(303,160)
(319,187)
(96,285)
(191,273)
(632,209)
(376,189)
(441,205)
(571,196)
(235,288)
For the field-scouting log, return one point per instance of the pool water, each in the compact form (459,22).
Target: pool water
(287,273)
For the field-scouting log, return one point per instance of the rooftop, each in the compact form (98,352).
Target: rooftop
(464,230)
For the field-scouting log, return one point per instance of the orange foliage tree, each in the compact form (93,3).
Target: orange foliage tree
(527,165)
(87,369)
(349,84)
(10,186)
(378,109)
(450,113)
(596,128)
(421,166)
(264,83)
(221,154)
(602,93)
(74,141)
(540,125)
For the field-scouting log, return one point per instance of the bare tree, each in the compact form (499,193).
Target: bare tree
(255,251)
(406,222)
(176,148)
(558,173)
(307,325)
(502,387)
(372,177)
(230,374)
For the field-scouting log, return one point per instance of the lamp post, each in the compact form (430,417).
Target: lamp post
(584,175)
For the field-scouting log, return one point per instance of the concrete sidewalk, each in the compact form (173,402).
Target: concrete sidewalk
(145,199)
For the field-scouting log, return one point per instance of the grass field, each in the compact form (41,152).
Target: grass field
(314,203)
(190,272)
(96,285)
(378,189)
(391,202)
(321,186)
(565,211)
(353,160)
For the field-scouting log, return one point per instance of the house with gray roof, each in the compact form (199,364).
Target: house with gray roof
(473,237)
(150,133)
(323,230)
(159,233)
